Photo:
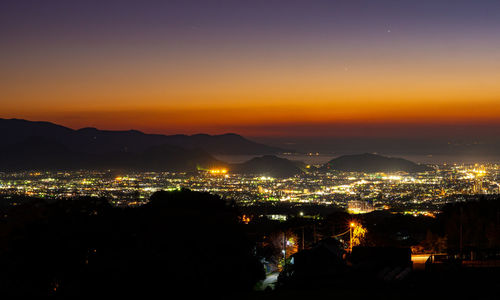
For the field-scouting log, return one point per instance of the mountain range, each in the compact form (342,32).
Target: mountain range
(28,145)
(44,145)
(92,140)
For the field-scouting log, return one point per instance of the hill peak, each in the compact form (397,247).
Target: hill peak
(371,163)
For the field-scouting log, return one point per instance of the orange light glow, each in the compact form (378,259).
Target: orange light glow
(245,219)
(218,171)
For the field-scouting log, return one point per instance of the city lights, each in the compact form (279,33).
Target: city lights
(218,171)
(420,194)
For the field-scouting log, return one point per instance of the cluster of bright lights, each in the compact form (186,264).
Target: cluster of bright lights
(245,219)
(392,177)
(416,213)
(218,171)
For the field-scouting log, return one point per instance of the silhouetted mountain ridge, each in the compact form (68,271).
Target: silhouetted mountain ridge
(43,145)
(37,153)
(268,165)
(371,163)
(93,140)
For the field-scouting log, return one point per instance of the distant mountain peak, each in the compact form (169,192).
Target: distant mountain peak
(88,129)
(269,165)
(371,163)
(230,134)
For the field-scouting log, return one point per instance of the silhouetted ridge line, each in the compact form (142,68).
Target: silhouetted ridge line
(268,165)
(92,140)
(43,145)
(369,163)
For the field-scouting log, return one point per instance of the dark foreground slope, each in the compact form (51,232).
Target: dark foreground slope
(180,242)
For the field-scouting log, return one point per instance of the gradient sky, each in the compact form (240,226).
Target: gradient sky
(259,68)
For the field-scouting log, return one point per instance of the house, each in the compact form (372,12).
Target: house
(382,263)
(324,261)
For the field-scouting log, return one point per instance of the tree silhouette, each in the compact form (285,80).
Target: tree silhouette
(178,241)
(472,225)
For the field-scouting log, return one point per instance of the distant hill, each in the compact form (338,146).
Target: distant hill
(37,153)
(370,163)
(92,140)
(267,165)
(27,145)
(42,154)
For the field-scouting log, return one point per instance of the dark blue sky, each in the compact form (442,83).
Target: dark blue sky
(108,19)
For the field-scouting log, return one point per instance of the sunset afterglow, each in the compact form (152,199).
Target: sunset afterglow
(185,68)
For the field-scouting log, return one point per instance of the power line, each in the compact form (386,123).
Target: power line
(342,233)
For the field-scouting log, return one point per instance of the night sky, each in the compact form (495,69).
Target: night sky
(258,68)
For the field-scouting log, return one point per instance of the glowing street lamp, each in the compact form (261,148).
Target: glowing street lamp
(357,233)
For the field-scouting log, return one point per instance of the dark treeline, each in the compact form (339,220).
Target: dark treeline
(472,226)
(187,241)
(196,242)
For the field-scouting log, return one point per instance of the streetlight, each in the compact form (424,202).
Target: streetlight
(351,226)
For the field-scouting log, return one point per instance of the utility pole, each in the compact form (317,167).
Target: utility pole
(350,238)
(284,249)
(351,226)
(303,238)
(314,233)
(461,230)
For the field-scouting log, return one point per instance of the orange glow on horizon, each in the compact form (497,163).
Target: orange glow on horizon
(221,82)
(225,96)
(244,90)
(247,118)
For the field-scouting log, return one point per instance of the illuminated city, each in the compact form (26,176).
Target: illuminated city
(264,149)
(418,194)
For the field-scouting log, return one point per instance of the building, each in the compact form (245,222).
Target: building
(359,207)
